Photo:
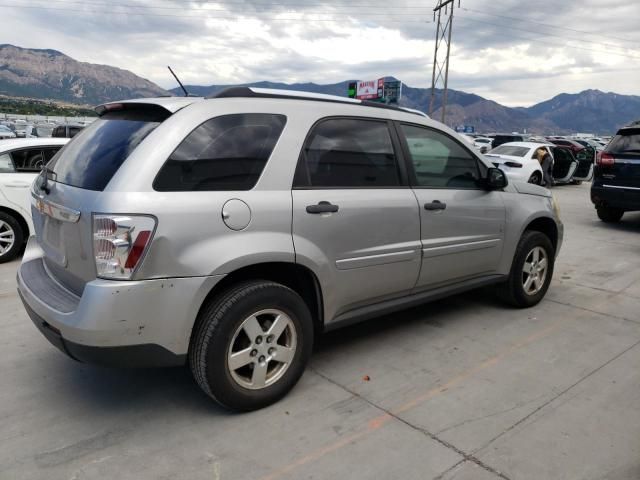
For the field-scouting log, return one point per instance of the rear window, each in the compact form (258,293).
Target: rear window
(510,150)
(626,141)
(225,153)
(94,155)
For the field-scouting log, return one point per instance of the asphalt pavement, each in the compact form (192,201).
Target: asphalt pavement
(464,388)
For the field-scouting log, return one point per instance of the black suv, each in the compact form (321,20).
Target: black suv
(66,131)
(616,181)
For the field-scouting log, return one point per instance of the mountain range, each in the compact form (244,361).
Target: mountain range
(26,72)
(52,75)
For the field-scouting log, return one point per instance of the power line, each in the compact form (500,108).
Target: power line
(536,40)
(232,17)
(151,7)
(549,25)
(546,33)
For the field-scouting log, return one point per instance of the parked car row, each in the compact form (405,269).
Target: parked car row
(38,130)
(519,160)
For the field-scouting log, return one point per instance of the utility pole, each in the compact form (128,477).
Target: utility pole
(440,74)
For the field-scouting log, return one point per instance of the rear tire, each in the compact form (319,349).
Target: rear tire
(536,178)
(609,214)
(531,271)
(251,345)
(11,237)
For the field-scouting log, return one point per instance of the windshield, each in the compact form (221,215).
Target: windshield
(96,152)
(510,150)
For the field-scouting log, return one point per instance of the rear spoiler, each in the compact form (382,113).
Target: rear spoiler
(168,105)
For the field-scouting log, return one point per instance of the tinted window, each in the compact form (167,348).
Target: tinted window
(49,153)
(626,141)
(348,153)
(510,150)
(224,153)
(6,165)
(28,160)
(59,132)
(96,153)
(438,160)
(73,131)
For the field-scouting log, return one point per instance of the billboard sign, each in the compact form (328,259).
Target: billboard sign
(375,90)
(370,89)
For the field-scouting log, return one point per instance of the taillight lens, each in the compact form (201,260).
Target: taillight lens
(605,159)
(120,242)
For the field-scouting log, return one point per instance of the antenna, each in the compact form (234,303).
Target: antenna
(186,94)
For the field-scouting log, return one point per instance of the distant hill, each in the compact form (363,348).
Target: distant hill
(49,74)
(52,75)
(589,111)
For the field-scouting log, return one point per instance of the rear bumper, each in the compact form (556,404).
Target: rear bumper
(116,323)
(625,198)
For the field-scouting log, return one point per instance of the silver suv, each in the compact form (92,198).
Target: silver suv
(228,232)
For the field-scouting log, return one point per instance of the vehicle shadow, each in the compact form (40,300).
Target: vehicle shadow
(117,390)
(630,223)
(440,314)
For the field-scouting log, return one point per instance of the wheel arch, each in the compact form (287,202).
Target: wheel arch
(297,277)
(547,226)
(20,219)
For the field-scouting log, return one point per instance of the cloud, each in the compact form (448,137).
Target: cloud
(505,50)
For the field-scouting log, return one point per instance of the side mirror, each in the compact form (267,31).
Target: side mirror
(496,179)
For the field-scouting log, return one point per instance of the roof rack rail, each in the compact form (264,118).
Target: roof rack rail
(249,92)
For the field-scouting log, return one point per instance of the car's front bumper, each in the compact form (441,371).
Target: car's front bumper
(121,323)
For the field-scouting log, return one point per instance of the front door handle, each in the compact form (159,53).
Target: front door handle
(435,205)
(322,207)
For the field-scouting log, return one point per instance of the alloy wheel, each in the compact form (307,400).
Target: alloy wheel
(262,349)
(7,237)
(534,271)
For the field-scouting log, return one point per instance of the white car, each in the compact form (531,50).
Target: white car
(21,160)
(483,144)
(518,160)
(6,132)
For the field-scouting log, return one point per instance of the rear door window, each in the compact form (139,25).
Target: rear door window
(28,159)
(98,151)
(225,153)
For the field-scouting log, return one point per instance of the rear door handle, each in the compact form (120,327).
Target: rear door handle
(435,205)
(322,207)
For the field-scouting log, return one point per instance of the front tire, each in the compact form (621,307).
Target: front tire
(11,237)
(609,214)
(531,271)
(251,345)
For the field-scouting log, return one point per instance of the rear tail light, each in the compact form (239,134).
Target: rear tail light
(120,242)
(513,164)
(605,159)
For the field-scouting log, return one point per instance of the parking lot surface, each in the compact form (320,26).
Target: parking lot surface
(464,388)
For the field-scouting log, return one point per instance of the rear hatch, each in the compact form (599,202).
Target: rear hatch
(619,163)
(64,195)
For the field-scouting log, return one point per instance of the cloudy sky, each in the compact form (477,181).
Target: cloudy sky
(514,52)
